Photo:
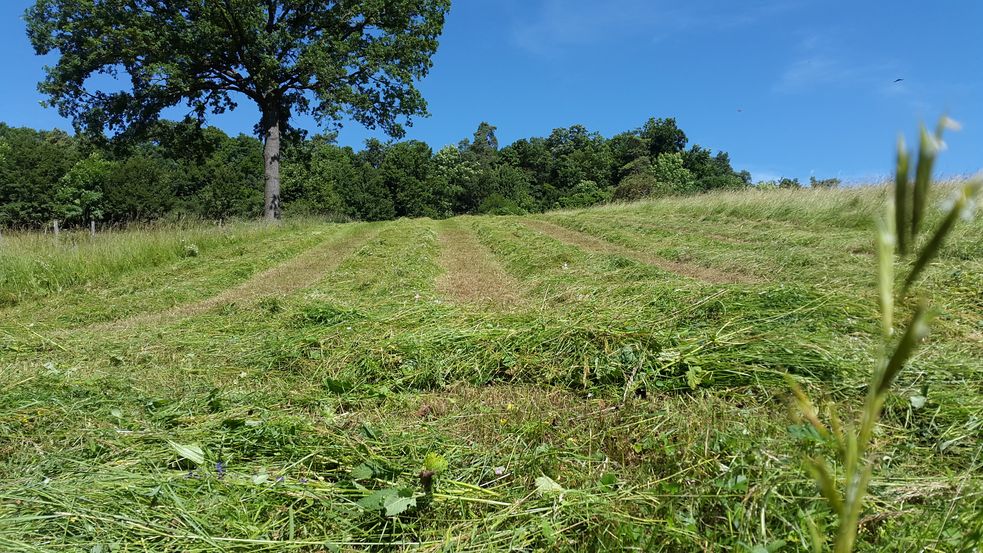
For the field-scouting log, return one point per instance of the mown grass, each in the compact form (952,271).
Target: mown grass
(655,401)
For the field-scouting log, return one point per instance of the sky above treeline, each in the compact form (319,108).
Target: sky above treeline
(793,88)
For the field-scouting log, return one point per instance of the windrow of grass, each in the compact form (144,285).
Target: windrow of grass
(615,405)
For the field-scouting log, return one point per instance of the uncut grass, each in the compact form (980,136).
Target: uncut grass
(362,331)
(231,256)
(37,264)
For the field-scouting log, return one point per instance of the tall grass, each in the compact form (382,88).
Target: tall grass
(33,264)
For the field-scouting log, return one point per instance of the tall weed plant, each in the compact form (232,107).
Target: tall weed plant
(906,246)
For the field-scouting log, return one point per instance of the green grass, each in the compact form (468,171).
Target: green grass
(656,401)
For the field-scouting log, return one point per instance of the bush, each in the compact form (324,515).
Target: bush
(586,194)
(789,184)
(496,204)
(665,177)
(721,182)
(824,183)
(80,191)
(635,187)
(668,170)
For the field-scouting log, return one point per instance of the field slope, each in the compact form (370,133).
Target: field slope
(610,378)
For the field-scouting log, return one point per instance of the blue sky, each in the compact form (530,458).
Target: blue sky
(788,87)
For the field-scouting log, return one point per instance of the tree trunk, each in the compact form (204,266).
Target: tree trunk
(271,162)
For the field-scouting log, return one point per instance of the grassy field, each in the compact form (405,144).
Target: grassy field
(611,378)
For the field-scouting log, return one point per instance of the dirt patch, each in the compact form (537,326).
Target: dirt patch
(304,270)
(471,273)
(594,244)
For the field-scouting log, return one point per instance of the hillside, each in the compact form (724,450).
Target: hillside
(633,355)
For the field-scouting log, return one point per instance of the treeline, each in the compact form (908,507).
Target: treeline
(181,170)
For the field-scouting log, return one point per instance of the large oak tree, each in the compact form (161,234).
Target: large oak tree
(327,58)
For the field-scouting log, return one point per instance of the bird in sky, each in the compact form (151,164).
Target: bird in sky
(898,80)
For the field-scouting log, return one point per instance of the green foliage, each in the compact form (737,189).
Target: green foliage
(663,137)
(34,164)
(185,170)
(80,192)
(366,196)
(140,189)
(665,177)
(361,59)
(672,176)
(406,172)
(314,174)
(282,55)
(786,183)
(636,187)
(496,204)
(567,421)
(232,180)
(586,194)
(824,183)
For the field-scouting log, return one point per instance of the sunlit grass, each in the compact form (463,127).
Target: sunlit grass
(655,401)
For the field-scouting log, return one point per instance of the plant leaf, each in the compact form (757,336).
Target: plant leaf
(398,505)
(902,193)
(934,245)
(435,463)
(827,486)
(191,452)
(391,501)
(917,329)
(547,486)
(362,472)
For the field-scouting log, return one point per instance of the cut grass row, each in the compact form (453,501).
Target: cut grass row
(607,365)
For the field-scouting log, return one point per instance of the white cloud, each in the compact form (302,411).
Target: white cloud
(822,63)
(546,26)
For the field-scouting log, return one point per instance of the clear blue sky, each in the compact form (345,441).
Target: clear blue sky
(814,79)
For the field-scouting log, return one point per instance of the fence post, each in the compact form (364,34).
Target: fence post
(92,227)
(54,224)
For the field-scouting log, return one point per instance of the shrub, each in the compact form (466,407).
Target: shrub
(669,171)
(586,194)
(789,184)
(721,182)
(496,204)
(824,183)
(635,187)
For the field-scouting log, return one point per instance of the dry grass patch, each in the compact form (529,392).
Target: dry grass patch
(471,273)
(594,244)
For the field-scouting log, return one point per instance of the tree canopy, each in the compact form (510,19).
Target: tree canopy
(181,169)
(330,59)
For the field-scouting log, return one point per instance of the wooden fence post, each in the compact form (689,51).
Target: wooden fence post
(55,226)
(92,227)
